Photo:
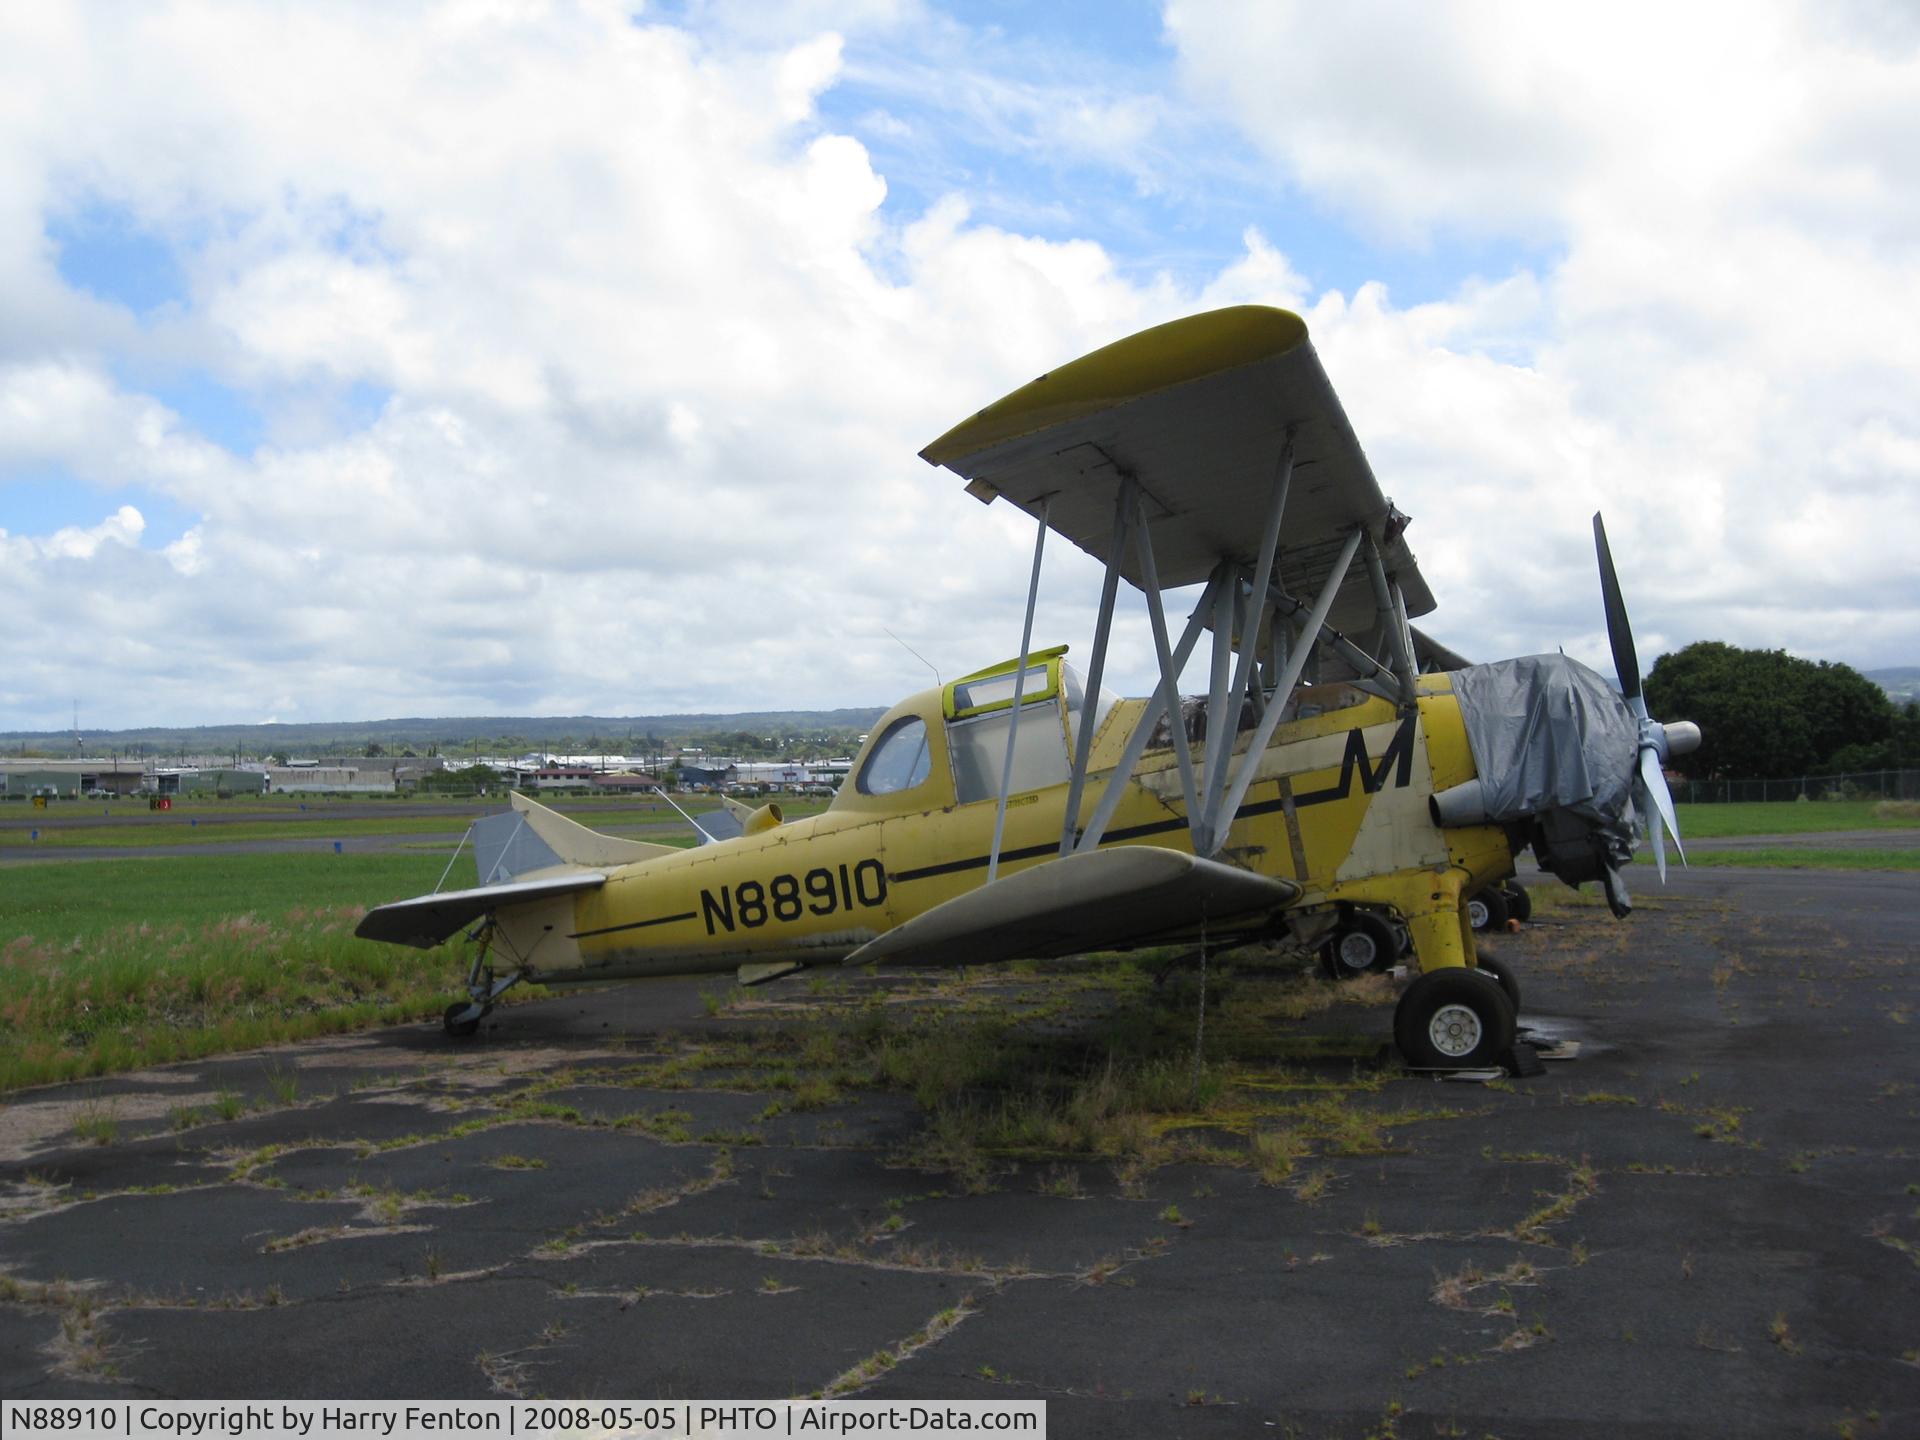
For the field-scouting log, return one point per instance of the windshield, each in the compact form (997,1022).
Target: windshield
(1077,699)
(900,761)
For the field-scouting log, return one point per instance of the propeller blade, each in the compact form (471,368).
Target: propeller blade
(1645,799)
(1654,781)
(1626,664)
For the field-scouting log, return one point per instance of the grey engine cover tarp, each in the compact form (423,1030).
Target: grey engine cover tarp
(1547,734)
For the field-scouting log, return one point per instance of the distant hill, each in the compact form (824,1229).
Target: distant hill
(574,734)
(1902,682)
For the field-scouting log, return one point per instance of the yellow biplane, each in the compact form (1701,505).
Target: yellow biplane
(1345,783)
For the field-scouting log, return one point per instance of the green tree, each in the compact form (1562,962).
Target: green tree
(1765,712)
(470,780)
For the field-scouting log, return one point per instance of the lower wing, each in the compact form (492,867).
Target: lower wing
(1097,901)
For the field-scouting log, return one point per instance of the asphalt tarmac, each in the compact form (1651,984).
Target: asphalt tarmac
(1708,1223)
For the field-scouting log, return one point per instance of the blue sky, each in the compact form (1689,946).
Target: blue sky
(461,360)
(1175,207)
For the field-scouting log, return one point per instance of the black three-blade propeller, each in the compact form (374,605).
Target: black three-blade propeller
(1657,742)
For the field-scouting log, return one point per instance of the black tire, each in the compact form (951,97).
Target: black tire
(456,1027)
(1487,911)
(1519,903)
(1454,1019)
(1362,944)
(1499,969)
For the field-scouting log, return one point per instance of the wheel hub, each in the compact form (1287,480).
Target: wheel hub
(1455,1030)
(1356,951)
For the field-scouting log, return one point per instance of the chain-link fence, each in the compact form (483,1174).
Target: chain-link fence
(1867,785)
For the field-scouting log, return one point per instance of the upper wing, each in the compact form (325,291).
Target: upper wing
(428,919)
(1429,657)
(1198,411)
(1095,901)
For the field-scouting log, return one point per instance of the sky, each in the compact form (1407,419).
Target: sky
(573,356)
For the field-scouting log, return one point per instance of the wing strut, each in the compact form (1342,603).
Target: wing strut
(1096,666)
(1164,702)
(1245,680)
(1213,835)
(1392,625)
(1019,693)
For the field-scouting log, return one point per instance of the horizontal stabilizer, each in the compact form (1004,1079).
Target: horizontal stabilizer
(1080,903)
(426,920)
(718,825)
(530,838)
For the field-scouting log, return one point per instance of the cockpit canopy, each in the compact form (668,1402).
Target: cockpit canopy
(949,746)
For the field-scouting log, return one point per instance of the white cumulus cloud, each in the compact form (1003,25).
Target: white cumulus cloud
(592,361)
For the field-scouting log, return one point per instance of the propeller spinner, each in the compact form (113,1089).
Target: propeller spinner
(1657,742)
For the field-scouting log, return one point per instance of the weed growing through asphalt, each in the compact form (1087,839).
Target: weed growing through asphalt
(96,1123)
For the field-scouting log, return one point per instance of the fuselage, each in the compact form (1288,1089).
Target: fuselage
(1338,806)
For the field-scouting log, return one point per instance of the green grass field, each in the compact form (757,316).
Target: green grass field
(1785,817)
(115,964)
(65,901)
(202,822)
(110,965)
(1788,818)
(182,832)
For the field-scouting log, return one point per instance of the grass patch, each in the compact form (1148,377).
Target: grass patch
(1128,1091)
(115,965)
(1790,817)
(1787,857)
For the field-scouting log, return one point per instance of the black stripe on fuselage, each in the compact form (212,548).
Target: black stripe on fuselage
(632,925)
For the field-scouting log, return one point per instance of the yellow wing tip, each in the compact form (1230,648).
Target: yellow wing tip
(1159,358)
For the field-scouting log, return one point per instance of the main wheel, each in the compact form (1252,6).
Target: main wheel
(1519,903)
(1363,944)
(1487,910)
(1501,971)
(1453,1019)
(457,1027)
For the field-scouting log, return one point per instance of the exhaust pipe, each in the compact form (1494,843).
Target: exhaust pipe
(1462,804)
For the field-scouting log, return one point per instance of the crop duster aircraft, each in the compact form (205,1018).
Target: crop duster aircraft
(1345,783)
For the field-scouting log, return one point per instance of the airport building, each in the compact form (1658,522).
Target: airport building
(72,779)
(107,777)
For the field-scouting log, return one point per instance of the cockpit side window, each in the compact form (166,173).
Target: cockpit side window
(979,750)
(900,761)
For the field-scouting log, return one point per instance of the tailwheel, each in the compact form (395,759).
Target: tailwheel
(462,1018)
(1362,944)
(1454,1019)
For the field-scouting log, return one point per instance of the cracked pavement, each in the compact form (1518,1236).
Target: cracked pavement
(1707,1222)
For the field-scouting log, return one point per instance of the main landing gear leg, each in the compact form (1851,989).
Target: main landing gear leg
(462,1018)
(1454,1016)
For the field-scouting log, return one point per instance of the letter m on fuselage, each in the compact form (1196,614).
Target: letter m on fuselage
(1397,757)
